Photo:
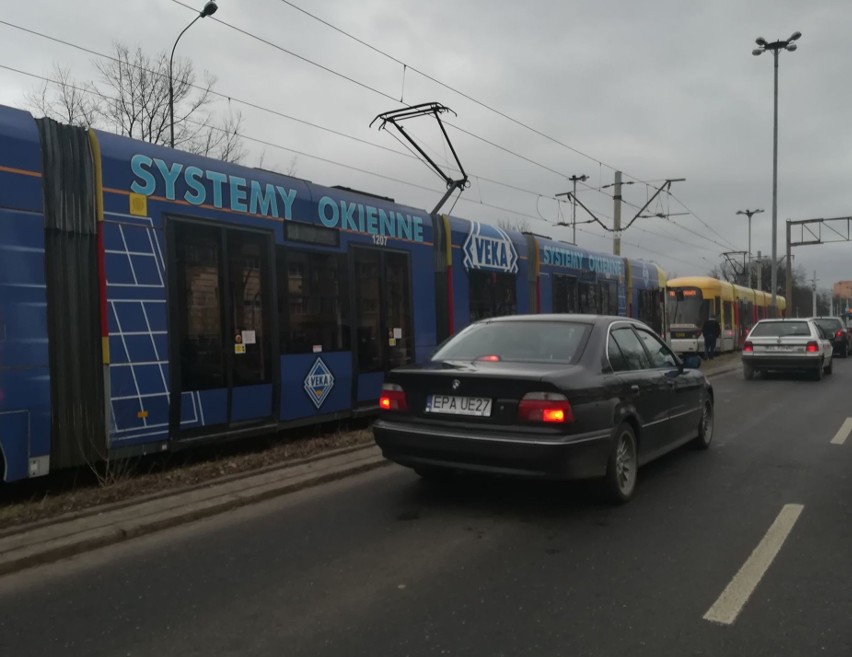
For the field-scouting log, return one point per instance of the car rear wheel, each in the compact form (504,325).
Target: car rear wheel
(705,427)
(748,371)
(620,479)
(818,372)
(829,368)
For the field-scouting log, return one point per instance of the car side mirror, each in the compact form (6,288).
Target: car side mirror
(692,362)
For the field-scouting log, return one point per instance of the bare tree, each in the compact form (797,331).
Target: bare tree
(131,98)
(64,99)
(290,171)
(519,225)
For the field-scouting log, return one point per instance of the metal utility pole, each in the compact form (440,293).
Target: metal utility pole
(775,47)
(574,179)
(616,216)
(749,214)
(814,288)
(789,290)
(759,271)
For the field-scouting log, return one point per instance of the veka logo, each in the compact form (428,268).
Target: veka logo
(319,382)
(489,247)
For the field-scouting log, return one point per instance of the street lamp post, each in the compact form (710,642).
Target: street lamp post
(775,47)
(209,9)
(749,214)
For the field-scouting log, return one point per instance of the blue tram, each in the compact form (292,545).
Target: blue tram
(151,299)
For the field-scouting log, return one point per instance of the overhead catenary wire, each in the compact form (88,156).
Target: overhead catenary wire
(407,66)
(231,98)
(509,211)
(338,133)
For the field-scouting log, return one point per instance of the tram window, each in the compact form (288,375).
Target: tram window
(564,294)
(382,310)
(588,298)
(198,251)
(492,294)
(369,322)
(312,309)
(607,298)
(729,315)
(247,264)
(650,309)
(398,311)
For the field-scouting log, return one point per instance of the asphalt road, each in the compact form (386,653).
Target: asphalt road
(386,565)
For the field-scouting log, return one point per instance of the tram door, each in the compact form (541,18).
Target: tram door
(223,339)
(383,326)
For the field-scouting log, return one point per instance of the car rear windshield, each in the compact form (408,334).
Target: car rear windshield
(829,325)
(517,341)
(780,329)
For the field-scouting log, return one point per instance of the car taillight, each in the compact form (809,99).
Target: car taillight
(491,358)
(839,334)
(812,347)
(546,407)
(392,398)
(748,347)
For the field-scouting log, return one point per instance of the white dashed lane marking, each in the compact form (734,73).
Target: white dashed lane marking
(729,605)
(843,432)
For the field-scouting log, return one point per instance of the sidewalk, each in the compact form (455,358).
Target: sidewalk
(51,540)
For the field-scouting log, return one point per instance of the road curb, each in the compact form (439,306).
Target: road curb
(171,492)
(135,520)
(726,370)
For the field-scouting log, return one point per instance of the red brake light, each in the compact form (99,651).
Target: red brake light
(547,407)
(839,334)
(392,398)
(812,347)
(748,347)
(491,358)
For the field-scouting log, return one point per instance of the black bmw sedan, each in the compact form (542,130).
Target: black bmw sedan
(549,396)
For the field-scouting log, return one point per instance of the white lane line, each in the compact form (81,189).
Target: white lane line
(843,433)
(729,605)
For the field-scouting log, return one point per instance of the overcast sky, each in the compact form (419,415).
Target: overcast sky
(658,89)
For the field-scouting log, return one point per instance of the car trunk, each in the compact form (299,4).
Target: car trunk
(504,383)
(790,344)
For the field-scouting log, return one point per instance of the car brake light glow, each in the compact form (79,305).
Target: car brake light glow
(491,358)
(392,398)
(546,407)
(839,334)
(812,347)
(748,347)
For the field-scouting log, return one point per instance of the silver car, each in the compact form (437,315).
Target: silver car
(786,344)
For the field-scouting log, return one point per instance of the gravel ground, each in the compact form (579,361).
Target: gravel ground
(77,490)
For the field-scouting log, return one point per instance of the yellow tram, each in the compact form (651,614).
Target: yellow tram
(691,300)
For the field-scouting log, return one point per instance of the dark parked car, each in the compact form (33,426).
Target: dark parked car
(835,330)
(551,396)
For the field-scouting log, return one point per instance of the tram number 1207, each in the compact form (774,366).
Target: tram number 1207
(381,240)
